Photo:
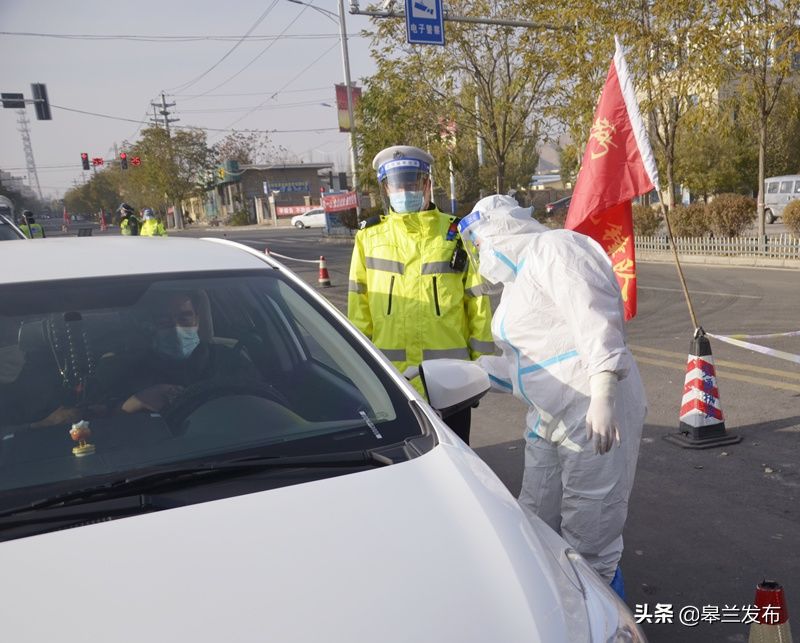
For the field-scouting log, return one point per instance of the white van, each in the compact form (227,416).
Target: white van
(778,191)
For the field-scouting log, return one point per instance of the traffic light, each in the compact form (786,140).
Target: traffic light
(123,161)
(85,160)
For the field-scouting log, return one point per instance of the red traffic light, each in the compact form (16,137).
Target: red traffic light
(85,160)
(136,160)
(123,160)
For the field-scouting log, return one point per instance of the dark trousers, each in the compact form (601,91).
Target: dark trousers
(460,423)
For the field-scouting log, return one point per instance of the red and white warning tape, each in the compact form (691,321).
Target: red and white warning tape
(736,340)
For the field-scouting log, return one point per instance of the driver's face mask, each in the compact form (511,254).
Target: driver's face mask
(177,342)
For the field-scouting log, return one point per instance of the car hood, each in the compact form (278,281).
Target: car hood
(433,549)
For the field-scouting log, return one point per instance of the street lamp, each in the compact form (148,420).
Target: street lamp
(346,64)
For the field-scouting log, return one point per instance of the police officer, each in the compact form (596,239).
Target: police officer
(129,224)
(29,227)
(411,289)
(151,226)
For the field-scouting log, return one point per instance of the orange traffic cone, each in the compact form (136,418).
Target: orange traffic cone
(324,278)
(702,424)
(773,618)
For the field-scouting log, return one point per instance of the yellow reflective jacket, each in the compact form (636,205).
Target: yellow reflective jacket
(406,298)
(152,228)
(32,230)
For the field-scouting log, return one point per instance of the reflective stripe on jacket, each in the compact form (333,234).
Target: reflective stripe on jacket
(406,298)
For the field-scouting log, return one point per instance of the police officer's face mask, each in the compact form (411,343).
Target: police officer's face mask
(407,201)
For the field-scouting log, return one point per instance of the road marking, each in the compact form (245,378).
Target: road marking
(735,365)
(795,388)
(701,292)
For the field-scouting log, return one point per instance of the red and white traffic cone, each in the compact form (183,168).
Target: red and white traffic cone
(702,424)
(324,278)
(773,618)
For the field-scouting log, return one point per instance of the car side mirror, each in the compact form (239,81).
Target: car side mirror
(452,385)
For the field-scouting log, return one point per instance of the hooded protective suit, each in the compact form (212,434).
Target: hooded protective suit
(560,327)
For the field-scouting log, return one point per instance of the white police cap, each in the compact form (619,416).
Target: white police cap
(401,156)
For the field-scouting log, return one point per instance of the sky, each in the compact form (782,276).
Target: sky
(289,85)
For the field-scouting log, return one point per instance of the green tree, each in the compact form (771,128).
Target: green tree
(172,168)
(493,81)
(762,38)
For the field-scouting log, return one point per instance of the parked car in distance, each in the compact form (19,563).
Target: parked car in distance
(8,230)
(276,480)
(560,206)
(778,191)
(312,219)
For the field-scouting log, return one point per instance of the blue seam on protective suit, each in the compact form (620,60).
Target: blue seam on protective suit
(532,433)
(506,261)
(517,353)
(549,362)
(500,382)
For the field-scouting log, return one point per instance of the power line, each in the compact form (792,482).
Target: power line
(218,110)
(289,82)
(257,56)
(208,129)
(288,91)
(188,38)
(230,51)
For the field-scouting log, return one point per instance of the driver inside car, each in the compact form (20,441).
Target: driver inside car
(179,355)
(179,358)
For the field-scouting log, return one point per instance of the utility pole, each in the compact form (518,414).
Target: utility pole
(353,142)
(33,176)
(164,111)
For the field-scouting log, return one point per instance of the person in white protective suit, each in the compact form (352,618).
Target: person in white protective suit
(560,327)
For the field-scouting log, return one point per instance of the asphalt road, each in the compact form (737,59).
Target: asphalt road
(704,526)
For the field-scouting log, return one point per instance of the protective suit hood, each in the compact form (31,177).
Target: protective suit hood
(508,229)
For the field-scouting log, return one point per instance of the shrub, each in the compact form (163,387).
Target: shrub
(646,221)
(791,217)
(240,217)
(689,220)
(731,214)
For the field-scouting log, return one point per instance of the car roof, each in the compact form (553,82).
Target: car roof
(785,177)
(72,257)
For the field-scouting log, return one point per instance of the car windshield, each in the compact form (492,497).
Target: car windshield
(7,233)
(101,377)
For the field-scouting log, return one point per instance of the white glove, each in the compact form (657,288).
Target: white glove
(600,416)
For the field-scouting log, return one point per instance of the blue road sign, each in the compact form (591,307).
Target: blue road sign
(424,22)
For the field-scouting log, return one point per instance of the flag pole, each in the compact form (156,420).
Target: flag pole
(678,263)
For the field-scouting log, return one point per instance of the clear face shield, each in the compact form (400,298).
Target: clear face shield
(470,230)
(404,184)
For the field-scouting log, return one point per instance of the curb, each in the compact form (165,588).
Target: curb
(758,262)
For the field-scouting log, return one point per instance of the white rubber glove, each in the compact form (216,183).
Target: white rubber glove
(600,416)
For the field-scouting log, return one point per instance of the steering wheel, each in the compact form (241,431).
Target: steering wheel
(200,394)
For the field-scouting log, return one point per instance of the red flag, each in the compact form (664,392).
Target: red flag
(618,164)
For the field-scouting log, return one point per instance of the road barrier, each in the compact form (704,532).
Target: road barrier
(701,424)
(324,278)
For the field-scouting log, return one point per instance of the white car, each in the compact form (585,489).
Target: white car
(231,504)
(311,219)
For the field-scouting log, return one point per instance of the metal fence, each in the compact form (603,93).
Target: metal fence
(778,246)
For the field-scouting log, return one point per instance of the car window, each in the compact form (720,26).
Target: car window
(797,187)
(772,188)
(786,187)
(246,361)
(7,233)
